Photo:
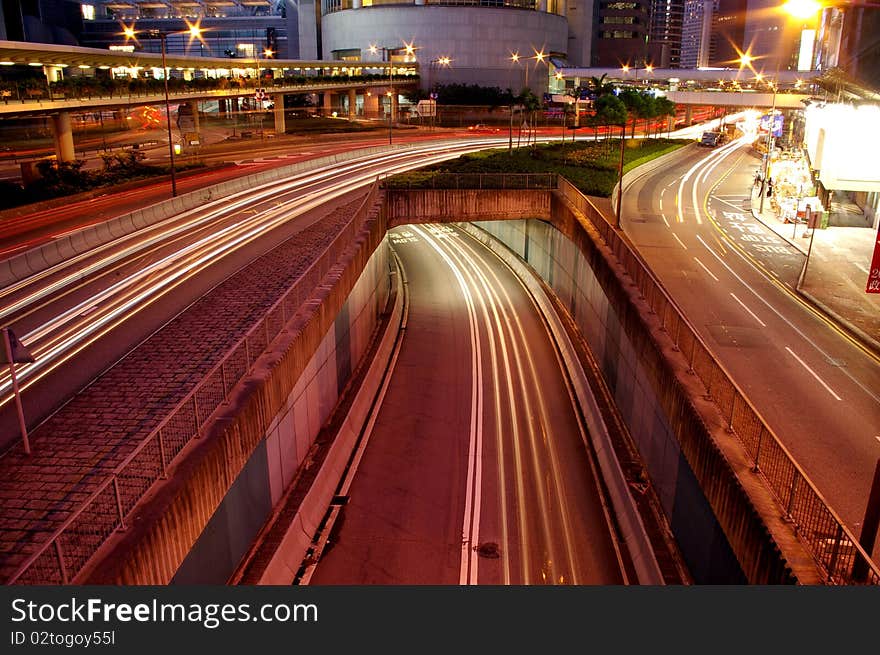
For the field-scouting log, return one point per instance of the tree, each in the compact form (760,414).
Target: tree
(609,110)
(530,104)
(634,102)
(664,107)
(598,87)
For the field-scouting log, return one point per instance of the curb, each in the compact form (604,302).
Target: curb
(855,332)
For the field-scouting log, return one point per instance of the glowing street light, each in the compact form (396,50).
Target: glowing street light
(802,8)
(195,32)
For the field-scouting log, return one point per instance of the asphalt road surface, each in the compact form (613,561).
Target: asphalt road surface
(476,470)
(734,279)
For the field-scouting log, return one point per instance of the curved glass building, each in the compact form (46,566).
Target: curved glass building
(504,43)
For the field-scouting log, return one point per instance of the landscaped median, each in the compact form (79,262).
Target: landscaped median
(592,166)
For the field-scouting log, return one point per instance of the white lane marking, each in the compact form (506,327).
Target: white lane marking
(471,523)
(663,216)
(729,203)
(662,191)
(813,373)
(454,249)
(522,353)
(794,327)
(709,163)
(675,236)
(706,269)
(754,316)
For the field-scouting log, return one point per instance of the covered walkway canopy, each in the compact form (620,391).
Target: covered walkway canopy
(61,56)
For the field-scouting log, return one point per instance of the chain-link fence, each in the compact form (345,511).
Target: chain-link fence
(69,548)
(831,544)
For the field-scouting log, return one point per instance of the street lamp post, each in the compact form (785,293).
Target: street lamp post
(194,32)
(766,165)
(386,56)
(162,36)
(443,60)
(620,175)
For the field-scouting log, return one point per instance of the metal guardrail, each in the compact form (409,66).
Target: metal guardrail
(835,550)
(442,180)
(72,545)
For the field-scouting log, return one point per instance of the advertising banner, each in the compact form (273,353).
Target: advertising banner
(873,285)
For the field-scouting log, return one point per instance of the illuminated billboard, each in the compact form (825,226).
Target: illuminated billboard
(844,145)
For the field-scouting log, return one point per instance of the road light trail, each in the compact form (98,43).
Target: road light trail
(537,458)
(220,227)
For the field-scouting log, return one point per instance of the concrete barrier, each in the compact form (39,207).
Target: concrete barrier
(195,526)
(298,539)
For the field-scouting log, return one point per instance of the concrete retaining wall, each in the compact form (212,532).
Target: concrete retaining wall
(407,206)
(195,527)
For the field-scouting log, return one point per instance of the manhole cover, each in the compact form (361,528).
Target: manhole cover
(489,550)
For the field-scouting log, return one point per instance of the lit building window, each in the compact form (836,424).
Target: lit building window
(88,12)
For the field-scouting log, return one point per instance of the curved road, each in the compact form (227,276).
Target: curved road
(817,389)
(76,317)
(476,469)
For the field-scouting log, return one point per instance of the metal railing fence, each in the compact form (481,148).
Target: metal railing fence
(71,545)
(835,550)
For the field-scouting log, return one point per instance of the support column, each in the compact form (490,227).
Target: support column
(63,137)
(280,124)
(688,115)
(352,104)
(194,105)
(326,104)
(394,107)
(371,105)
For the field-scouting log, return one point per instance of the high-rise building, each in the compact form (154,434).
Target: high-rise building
(621,33)
(40,21)
(504,43)
(233,28)
(728,32)
(664,35)
(849,38)
(696,33)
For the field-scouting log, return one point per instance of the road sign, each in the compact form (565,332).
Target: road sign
(873,285)
(20,354)
(427,108)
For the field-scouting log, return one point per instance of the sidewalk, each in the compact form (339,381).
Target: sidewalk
(837,272)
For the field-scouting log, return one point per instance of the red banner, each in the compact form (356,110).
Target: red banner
(874,276)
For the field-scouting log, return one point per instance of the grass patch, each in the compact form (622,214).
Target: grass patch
(591,166)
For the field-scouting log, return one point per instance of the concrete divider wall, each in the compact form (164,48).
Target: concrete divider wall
(658,412)
(195,526)
(290,435)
